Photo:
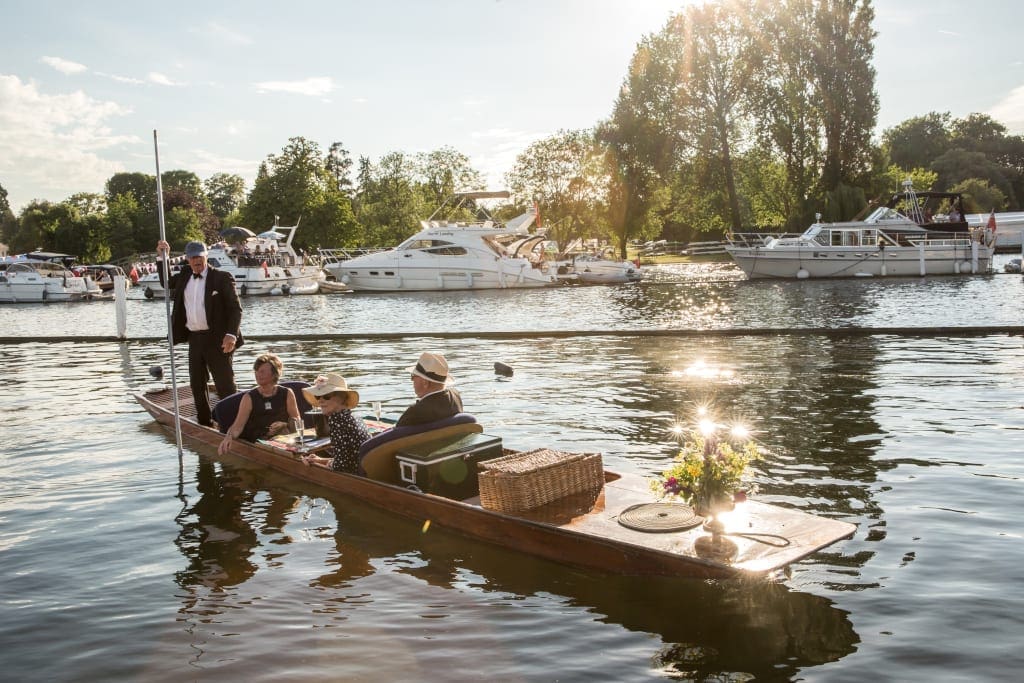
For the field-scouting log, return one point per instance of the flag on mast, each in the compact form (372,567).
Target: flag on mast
(992,221)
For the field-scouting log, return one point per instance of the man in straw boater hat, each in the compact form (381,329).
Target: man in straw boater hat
(436,400)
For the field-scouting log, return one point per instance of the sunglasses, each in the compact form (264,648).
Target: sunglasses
(327,397)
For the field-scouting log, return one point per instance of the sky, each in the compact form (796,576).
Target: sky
(225,84)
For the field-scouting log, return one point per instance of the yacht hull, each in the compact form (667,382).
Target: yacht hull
(765,262)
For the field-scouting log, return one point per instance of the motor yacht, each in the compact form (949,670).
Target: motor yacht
(902,238)
(32,279)
(449,254)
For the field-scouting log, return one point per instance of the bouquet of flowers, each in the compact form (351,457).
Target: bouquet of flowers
(708,472)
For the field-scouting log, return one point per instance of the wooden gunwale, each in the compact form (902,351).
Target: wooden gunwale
(580,530)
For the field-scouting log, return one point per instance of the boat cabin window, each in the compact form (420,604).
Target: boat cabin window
(425,244)
(452,250)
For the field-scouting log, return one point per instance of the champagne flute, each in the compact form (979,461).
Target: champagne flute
(376,409)
(297,423)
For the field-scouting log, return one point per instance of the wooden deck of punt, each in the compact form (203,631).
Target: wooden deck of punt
(581,530)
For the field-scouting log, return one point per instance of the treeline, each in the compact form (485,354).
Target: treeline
(733,115)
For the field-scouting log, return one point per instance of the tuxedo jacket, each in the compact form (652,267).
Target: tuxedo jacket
(223,309)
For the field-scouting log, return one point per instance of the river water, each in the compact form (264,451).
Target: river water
(123,561)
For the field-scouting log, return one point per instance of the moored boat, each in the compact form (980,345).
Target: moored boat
(34,279)
(605,269)
(449,255)
(903,238)
(583,529)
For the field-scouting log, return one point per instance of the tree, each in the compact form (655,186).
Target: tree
(787,121)
(565,175)
(186,181)
(918,141)
(8,221)
(718,52)
(443,172)
(640,144)
(979,196)
(225,193)
(296,184)
(389,204)
(843,49)
(339,166)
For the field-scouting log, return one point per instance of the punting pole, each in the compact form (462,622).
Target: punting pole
(166,265)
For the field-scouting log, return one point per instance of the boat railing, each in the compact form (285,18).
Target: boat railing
(756,239)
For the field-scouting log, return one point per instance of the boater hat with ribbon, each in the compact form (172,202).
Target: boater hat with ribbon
(329,384)
(432,367)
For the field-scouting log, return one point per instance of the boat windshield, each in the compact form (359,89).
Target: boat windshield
(884,213)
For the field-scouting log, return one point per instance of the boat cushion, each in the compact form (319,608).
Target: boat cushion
(226,410)
(377,455)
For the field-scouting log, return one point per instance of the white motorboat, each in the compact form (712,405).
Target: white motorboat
(33,280)
(449,255)
(261,265)
(899,239)
(605,269)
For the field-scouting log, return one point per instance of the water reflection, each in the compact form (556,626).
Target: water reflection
(216,537)
(758,628)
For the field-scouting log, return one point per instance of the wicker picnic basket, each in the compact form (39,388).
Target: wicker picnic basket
(523,481)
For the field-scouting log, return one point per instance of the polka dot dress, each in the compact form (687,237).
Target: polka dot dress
(347,435)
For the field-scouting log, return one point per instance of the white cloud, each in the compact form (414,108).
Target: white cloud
(64,66)
(160,79)
(502,146)
(205,163)
(314,86)
(50,144)
(1010,111)
(223,34)
(121,79)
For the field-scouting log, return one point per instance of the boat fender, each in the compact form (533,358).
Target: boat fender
(286,289)
(802,274)
(156,372)
(148,293)
(345,279)
(244,289)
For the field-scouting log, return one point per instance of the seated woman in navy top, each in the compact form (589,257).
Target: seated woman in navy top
(266,410)
(348,433)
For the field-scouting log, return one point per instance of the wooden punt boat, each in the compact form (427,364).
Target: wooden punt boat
(581,530)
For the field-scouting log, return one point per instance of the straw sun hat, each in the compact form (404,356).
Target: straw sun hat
(328,384)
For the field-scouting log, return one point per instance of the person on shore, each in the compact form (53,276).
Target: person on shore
(266,410)
(332,395)
(208,315)
(435,399)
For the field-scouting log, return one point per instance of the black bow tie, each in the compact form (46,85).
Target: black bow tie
(198,276)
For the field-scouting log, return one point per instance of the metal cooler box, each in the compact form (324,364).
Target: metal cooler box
(447,467)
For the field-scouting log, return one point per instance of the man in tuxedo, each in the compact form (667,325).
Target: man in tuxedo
(435,398)
(208,315)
